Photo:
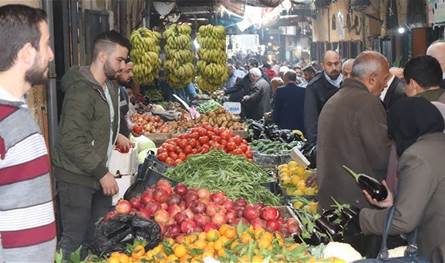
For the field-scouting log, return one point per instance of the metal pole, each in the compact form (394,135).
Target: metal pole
(52,93)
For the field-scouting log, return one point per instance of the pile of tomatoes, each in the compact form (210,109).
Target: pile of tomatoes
(199,140)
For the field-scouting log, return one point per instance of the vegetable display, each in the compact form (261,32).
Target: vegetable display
(179,55)
(220,118)
(202,139)
(259,130)
(272,147)
(234,175)
(145,55)
(374,188)
(208,106)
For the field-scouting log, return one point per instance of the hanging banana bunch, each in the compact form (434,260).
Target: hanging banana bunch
(178,64)
(212,67)
(145,55)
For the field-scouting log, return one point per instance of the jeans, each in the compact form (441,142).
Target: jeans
(80,208)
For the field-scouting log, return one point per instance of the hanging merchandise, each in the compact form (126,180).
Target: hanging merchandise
(145,55)
(212,67)
(179,55)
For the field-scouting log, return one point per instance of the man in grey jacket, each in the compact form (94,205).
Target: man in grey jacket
(257,102)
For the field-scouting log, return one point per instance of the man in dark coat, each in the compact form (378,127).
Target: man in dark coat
(319,90)
(288,111)
(352,131)
(394,91)
(257,100)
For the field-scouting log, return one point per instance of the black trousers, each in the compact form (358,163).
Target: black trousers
(80,208)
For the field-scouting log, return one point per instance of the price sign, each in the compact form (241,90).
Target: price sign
(232,107)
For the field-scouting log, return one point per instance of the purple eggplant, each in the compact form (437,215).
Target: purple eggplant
(374,188)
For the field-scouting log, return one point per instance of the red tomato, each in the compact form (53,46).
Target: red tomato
(162,156)
(202,132)
(223,142)
(169,161)
(171,148)
(178,161)
(249,155)
(237,139)
(188,149)
(194,135)
(173,155)
(216,138)
(243,148)
(193,143)
(182,143)
(194,151)
(203,139)
(237,151)
(161,150)
(182,156)
(230,146)
(205,149)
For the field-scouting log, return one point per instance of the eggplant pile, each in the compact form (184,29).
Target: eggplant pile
(327,227)
(257,130)
(374,188)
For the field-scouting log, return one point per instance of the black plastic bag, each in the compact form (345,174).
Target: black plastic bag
(149,173)
(115,234)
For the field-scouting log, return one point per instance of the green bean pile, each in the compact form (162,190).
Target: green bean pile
(234,175)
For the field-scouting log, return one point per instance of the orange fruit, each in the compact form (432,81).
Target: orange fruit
(113,260)
(221,252)
(257,259)
(230,233)
(179,250)
(246,238)
(212,235)
(223,229)
(200,244)
(202,236)
(219,244)
(124,258)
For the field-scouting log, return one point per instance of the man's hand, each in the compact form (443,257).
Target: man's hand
(109,184)
(311,181)
(123,143)
(245,98)
(388,202)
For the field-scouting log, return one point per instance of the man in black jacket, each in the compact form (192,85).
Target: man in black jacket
(288,110)
(319,90)
(394,91)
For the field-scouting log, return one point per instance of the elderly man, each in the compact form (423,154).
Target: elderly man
(352,131)
(257,101)
(437,50)
(321,88)
(346,68)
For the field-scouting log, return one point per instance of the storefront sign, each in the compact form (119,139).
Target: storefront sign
(436,11)
(232,107)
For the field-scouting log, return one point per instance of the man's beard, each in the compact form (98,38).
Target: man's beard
(110,73)
(334,75)
(36,75)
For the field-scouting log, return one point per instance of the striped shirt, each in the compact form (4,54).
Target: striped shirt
(27,225)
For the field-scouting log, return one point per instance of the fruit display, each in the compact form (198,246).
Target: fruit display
(182,210)
(201,139)
(212,68)
(227,244)
(293,179)
(220,118)
(179,55)
(302,203)
(145,123)
(145,55)
(208,106)
(234,175)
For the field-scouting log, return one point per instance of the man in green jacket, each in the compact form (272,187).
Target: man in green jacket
(89,127)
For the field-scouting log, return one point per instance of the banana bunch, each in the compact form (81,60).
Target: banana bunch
(212,67)
(145,55)
(178,55)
